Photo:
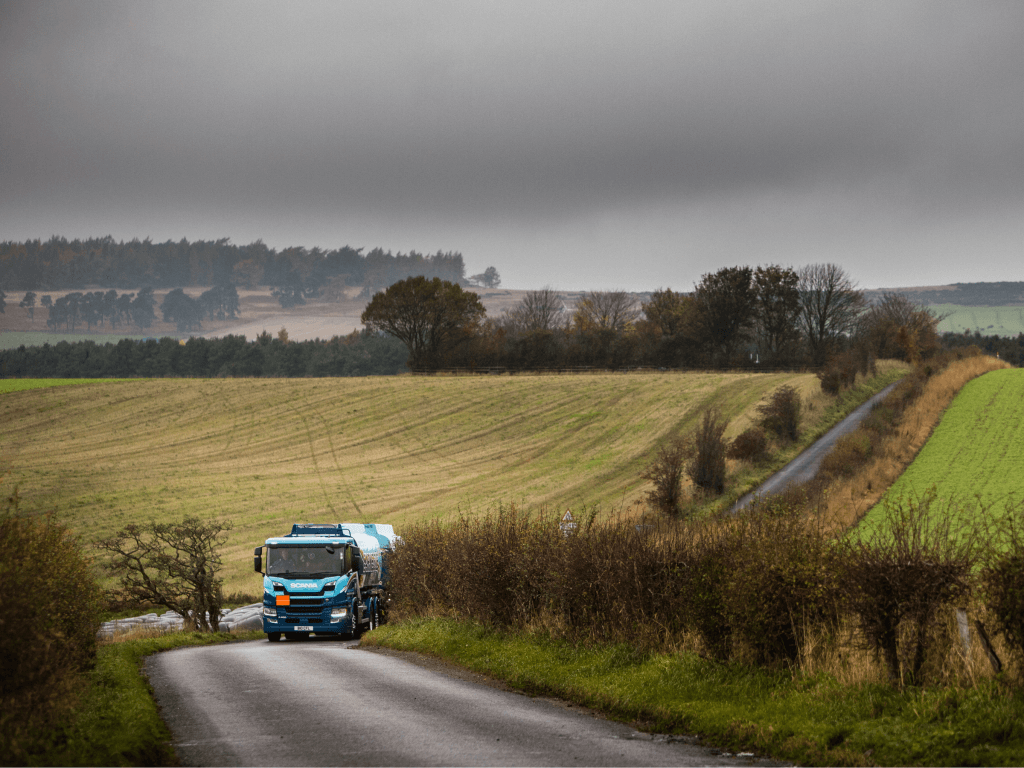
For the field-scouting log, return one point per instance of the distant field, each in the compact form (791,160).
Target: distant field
(976,450)
(264,453)
(15,339)
(990,321)
(20,385)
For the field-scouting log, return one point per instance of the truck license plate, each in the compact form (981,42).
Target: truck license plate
(304,629)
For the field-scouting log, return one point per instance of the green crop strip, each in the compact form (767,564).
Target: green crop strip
(974,458)
(22,385)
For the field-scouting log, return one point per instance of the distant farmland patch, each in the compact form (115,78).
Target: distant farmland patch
(989,321)
(15,339)
(20,385)
(976,450)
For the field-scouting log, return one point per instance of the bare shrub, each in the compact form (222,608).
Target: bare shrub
(500,554)
(419,570)
(170,564)
(49,615)
(749,445)
(707,466)
(840,372)
(880,420)
(780,415)
(490,568)
(848,455)
(666,472)
(1002,579)
(901,577)
(784,586)
(701,570)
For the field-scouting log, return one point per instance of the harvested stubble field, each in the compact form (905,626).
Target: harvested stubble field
(263,453)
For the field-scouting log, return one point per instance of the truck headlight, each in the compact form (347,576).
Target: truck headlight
(337,614)
(270,611)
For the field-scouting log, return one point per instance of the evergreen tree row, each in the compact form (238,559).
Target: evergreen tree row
(59,264)
(362,353)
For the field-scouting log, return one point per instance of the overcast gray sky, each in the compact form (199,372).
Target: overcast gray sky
(584,145)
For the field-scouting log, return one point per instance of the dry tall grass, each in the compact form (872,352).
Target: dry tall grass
(848,499)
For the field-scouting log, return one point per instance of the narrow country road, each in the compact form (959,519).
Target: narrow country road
(325,702)
(805,466)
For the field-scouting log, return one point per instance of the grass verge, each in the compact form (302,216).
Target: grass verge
(117,721)
(810,719)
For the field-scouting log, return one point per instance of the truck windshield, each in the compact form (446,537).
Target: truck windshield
(311,562)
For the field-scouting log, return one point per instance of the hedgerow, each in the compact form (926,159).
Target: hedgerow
(49,616)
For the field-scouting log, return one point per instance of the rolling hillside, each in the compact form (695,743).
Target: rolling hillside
(263,453)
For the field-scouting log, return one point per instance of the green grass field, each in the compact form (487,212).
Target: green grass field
(20,385)
(975,453)
(990,321)
(263,453)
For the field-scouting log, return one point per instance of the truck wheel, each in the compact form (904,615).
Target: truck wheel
(376,613)
(273,637)
(357,627)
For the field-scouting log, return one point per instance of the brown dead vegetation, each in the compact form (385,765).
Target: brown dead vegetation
(849,498)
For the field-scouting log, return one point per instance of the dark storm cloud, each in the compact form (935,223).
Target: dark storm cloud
(482,123)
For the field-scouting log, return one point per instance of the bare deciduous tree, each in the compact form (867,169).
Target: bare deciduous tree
(706,468)
(666,472)
(830,304)
(541,310)
(897,327)
(171,564)
(606,311)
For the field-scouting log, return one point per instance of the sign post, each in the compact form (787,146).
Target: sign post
(568,525)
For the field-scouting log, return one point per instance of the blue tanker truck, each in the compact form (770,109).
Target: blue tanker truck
(325,580)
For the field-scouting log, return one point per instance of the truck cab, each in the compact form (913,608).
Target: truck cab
(324,579)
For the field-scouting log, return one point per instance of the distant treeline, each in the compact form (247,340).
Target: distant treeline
(1008,348)
(59,265)
(361,353)
(975,294)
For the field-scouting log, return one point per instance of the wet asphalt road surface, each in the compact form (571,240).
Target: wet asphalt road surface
(326,702)
(805,466)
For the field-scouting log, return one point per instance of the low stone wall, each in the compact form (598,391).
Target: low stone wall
(244,618)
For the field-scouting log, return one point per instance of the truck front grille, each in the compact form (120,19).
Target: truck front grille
(304,609)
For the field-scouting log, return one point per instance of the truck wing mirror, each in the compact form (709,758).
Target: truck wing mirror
(257,559)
